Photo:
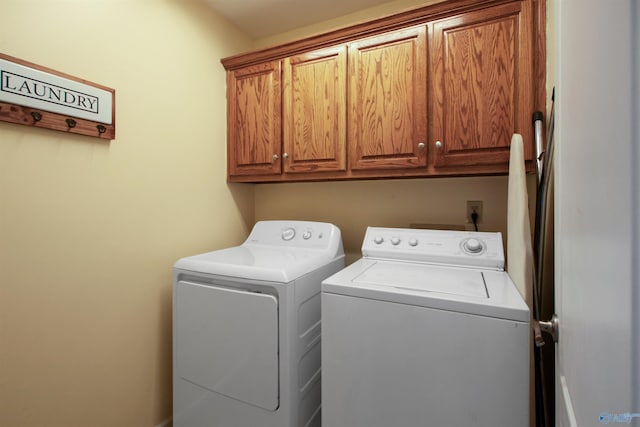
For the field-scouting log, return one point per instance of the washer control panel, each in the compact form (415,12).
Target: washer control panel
(460,248)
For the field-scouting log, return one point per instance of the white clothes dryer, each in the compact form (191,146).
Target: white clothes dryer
(246,328)
(426,329)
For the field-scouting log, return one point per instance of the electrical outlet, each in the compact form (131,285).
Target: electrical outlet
(474,206)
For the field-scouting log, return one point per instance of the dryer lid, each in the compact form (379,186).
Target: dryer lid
(269,264)
(275,251)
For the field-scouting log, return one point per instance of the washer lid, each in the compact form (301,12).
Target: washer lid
(425,278)
(488,293)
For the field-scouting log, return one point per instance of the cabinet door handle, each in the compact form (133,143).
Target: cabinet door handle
(275,157)
(285,156)
(421,146)
(438,144)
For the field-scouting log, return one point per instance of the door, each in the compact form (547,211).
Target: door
(482,90)
(315,111)
(227,342)
(388,101)
(253,120)
(597,212)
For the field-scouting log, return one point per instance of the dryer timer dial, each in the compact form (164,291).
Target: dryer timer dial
(288,233)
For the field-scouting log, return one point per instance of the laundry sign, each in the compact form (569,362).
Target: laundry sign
(39,91)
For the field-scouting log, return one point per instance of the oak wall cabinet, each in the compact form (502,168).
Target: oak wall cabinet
(388,101)
(254,120)
(315,115)
(435,91)
(482,87)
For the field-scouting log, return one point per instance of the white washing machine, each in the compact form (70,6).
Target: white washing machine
(246,328)
(426,330)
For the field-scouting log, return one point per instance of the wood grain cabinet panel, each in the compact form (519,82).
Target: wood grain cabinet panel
(435,91)
(254,120)
(314,117)
(388,101)
(481,84)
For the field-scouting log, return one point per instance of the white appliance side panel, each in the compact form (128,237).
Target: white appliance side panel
(388,364)
(228,342)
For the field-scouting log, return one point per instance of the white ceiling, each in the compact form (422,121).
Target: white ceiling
(262,18)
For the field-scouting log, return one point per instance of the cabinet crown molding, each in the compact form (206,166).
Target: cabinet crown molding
(407,18)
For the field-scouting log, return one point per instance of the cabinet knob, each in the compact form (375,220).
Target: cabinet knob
(438,144)
(285,156)
(421,146)
(275,157)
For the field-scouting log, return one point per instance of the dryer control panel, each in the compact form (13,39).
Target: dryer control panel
(459,248)
(299,234)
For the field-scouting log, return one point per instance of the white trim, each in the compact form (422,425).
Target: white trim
(567,407)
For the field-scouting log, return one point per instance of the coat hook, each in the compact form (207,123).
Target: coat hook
(36,116)
(101,129)
(71,123)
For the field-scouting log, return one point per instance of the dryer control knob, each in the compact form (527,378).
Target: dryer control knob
(473,246)
(395,241)
(378,240)
(306,235)
(413,242)
(288,234)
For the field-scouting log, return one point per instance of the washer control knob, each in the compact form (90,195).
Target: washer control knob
(306,235)
(413,242)
(395,241)
(473,246)
(288,234)
(378,240)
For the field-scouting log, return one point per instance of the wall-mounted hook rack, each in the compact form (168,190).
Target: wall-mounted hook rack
(37,96)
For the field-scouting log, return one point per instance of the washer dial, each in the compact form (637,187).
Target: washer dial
(473,246)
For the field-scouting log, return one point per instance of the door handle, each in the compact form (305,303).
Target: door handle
(551,327)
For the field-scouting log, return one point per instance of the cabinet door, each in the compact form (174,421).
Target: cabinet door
(314,118)
(481,86)
(387,101)
(254,126)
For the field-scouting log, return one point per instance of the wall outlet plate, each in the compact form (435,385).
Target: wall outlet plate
(474,206)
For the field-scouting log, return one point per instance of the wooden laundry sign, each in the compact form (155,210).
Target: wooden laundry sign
(38,96)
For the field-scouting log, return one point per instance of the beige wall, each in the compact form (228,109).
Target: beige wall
(379,11)
(354,205)
(89,230)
